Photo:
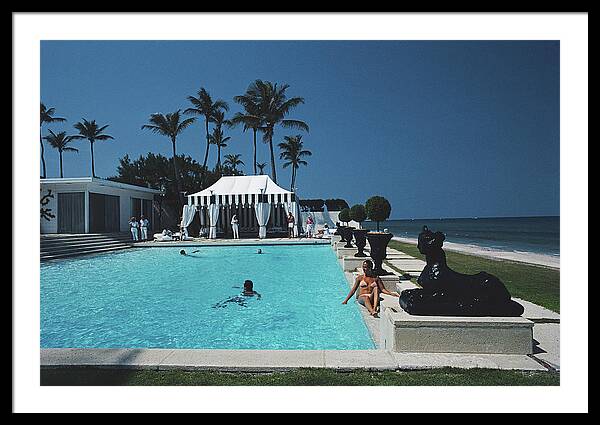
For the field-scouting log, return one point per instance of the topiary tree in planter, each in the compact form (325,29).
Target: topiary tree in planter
(346,231)
(344,215)
(378,209)
(359,214)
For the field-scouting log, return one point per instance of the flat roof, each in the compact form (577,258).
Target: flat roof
(99,182)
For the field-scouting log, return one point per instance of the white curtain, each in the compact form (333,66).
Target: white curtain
(187,217)
(213,216)
(263,211)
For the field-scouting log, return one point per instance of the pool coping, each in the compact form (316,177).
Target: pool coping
(273,360)
(231,242)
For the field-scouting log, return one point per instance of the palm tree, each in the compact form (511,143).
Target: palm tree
(250,119)
(204,105)
(292,152)
(170,125)
(274,106)
(46,117)
(219,141)
(90,130)
(233,161)
(261,166)
(60,141)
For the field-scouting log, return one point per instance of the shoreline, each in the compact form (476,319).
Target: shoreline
(521,257)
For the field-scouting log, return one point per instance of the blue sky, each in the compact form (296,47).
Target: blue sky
(440,128)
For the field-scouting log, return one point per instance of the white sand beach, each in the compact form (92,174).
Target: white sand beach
(523,257)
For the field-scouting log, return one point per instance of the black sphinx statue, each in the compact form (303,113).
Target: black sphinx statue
(448,293)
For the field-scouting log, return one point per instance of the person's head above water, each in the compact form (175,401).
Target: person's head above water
(182,252)
(259,251)
(248,286)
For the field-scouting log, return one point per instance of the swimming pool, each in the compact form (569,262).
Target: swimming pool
(157,298)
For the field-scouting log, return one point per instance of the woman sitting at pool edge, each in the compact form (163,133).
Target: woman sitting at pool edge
(369,287)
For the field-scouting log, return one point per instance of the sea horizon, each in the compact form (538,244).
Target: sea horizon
(522,234)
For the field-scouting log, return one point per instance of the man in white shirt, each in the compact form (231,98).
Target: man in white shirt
(144,228)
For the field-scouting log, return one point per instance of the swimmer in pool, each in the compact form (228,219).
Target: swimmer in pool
(240,300)
(182,252)
(259,251)
(249,289)
(369,287)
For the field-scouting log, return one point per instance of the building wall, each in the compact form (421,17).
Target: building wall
(125,196)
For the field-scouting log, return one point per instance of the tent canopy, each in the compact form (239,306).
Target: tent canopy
(232,186)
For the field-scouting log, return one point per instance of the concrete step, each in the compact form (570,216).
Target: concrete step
(51,241)
(83,247)
(84,242)
(78,253)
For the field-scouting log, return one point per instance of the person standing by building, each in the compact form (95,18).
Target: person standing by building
(309,226)
(144,223)
(235,227)
(291,221)
(133,225)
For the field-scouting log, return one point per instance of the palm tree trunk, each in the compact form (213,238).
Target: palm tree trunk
(43,160)
(254,130)
(92,149)
(273,172)
(61,172)
(175,170)
(205,154)
(219,160)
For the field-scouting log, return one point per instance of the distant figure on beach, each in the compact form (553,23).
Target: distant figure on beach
(133,224)
(369,286)
(235,227)
(291,221)
(242,300)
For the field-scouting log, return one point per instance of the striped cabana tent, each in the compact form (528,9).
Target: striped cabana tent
(256,200)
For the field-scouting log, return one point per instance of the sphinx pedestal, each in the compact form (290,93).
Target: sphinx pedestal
(402,332)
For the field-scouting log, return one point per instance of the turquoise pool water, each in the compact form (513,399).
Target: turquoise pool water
(157,298)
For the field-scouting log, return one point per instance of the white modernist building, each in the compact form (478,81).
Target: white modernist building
(93,205)
(260,205)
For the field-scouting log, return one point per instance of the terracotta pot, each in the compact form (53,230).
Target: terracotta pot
(360,239)
(378,242)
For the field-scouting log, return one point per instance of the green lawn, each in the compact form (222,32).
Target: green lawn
(301,377)
(537,284)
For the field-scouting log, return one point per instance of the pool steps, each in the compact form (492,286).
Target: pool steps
(64,246)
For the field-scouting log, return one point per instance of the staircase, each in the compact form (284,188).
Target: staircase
(63,246)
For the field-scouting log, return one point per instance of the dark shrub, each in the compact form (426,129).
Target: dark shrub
(358,213)
(378,209)
(344,215)
(336,204)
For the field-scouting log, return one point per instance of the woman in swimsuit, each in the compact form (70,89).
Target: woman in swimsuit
(369,287)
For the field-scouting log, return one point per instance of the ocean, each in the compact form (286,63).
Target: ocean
(539,235)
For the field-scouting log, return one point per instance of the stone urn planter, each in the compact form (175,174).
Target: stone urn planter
(378,242)
(339,231)
(347,232)
(360,239)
